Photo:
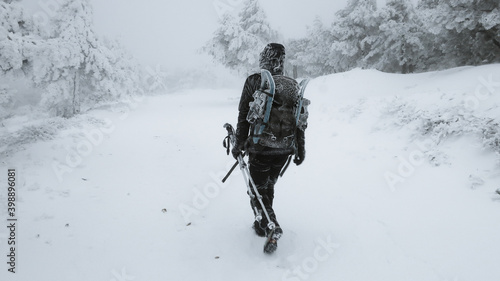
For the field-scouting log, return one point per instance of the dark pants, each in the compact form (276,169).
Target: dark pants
(264,170)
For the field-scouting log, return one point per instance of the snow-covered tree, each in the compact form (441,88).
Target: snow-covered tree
(224,46)
(356,28)
(398,47)
(428,4)
(113,73)
(469,31)
(313,54)
(432,59)
(66,60)
(14,36)
(257,32)
(238,41)
(295,62)
(75,68)
(482,16)
(15,40)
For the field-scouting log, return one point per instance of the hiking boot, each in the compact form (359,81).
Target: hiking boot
(272,240)
(260,231)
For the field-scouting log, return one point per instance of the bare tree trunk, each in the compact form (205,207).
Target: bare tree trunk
(76,90)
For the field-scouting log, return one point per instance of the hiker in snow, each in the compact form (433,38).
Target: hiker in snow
(281,139)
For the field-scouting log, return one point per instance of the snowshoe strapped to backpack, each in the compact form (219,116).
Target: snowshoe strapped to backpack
(277,111)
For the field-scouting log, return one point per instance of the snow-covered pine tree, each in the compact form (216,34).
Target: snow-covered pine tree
(63,63)
(10,51)
(224,45)
(294,63)
(428,4)
(238,41)
(112,74)
(356,28)
(432,37)
(469,31)
(14,36)
(312,54)
(15,39)
(75,69)
(398,48)
(257,33)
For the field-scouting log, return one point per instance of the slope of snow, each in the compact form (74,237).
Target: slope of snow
(137,195)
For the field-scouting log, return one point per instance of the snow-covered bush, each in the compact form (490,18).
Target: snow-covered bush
(490,134)
(400,111)
(445,121)
(14,140)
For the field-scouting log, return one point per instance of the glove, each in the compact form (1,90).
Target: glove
(299,156)
(237,151)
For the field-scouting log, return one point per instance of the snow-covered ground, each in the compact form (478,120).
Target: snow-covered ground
(398,184)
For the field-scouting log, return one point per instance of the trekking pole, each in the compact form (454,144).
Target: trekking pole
(288,161)
(248,179)
(230,171)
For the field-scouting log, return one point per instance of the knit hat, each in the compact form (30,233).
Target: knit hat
(272,58)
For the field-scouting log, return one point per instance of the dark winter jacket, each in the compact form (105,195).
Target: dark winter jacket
(243,128)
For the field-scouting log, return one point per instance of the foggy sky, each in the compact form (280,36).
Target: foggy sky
(169,32)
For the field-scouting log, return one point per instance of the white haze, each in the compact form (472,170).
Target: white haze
(170,33)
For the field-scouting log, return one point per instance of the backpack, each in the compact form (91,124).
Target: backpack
(274,126)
